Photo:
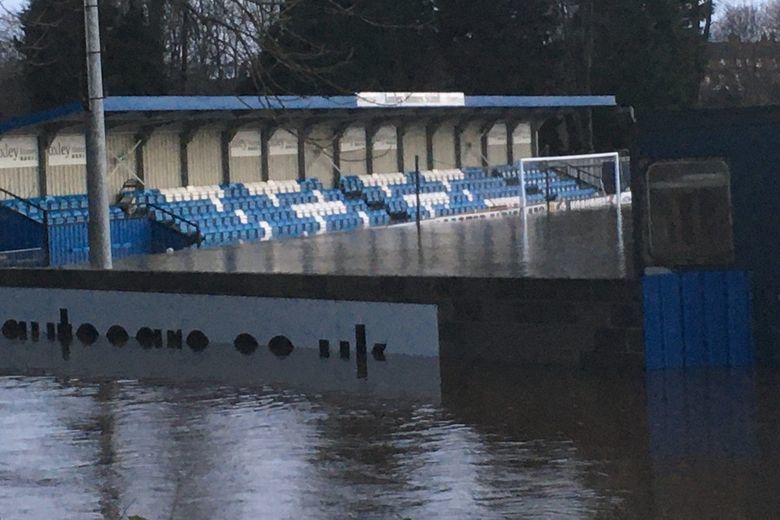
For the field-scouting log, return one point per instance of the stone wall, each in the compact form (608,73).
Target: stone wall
(519,321)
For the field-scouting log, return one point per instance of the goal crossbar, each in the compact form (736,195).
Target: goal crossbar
(615,156)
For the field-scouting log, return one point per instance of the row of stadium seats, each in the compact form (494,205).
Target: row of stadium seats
(273,209)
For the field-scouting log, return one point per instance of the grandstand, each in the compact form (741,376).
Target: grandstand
(155,220)
(200,171)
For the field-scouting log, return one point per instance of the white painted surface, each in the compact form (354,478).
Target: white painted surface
(18,152)
(411,99)
(67,150)
(408,329)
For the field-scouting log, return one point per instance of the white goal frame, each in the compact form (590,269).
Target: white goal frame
(615,156)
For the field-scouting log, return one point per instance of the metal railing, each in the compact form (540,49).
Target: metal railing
(198,234)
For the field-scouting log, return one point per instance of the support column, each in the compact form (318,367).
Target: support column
(141,138)
(303,132)
(225,139)
(265,136)
(185,138)
(371,129)
(338,132)
(457,137)
(484,132)
(400,132)
(43,160)
(430,132)
(511,126)
(535,125)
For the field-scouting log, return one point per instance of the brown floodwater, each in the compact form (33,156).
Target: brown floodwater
(497,444)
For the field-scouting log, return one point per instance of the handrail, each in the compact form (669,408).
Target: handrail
(593,180)
(199,235)
(20,199)
(45,215)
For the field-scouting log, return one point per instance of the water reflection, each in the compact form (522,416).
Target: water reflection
(531,444)
(580,244)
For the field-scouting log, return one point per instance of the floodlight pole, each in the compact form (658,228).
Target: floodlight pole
(97,191)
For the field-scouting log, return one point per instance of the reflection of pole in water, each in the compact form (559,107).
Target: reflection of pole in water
(621,246)
(526,252)
(417,189)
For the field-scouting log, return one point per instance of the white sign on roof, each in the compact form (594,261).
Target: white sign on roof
(411,99)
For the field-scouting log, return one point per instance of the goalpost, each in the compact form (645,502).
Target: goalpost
(571,177)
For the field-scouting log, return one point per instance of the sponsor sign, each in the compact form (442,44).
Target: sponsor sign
(18,152)
(283,142)
(353,140)
(246,143)
(385,139)
(67,150)
(411,99)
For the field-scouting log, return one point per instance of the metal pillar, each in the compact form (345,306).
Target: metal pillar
(97,165)
(511,126)
(303,135)
(265,136)
(400,132)
(43,158)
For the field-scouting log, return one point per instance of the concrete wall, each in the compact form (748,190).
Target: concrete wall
(204,157)
(385,150)
(444,146)
(471,145)
(414,144)
(353,151)
(283,155)
(162,166)
(517,321)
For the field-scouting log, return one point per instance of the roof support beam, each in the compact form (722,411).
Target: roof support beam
(371,129)
(303,132)
(430,131)
(460,126)
(141,138)
(266,131)
(338,133)
(511,126)
(400,132)
(226,137)
(185,138)
(484,131)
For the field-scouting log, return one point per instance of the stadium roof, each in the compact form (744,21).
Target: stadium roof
(170,109)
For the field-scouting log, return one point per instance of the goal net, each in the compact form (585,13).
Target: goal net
(583,179)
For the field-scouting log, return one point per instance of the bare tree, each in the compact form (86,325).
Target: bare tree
(746,22)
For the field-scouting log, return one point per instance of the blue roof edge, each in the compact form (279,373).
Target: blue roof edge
(40,117)
(231,103)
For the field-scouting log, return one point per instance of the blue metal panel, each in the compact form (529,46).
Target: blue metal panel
(716,318)
(671,309)
(739,321)
(654,341)
(749,140)
(18,231)
(693,319)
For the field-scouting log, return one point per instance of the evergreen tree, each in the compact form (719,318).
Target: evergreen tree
(134,56)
